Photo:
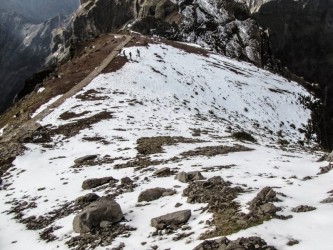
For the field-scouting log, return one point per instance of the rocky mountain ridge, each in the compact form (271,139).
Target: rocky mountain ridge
(170,146)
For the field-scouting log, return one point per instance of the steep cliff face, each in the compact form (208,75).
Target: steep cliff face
(37,11)
(23,49)
(97,17)
(26,33)
(302,35)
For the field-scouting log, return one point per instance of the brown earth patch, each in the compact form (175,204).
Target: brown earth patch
(88,56)
(44,134)
(153,145)
(215,150)
(70,115)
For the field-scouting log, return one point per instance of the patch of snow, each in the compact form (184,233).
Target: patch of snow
(41,90)
(45,106)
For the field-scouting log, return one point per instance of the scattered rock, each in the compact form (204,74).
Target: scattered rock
(292,242)
(303,209)
(327,200)
(190,176)
(105,209)
(324,170)
(262,205)
(239,244)
(91,197)
(163,172)
(215,150)
(126,181)
(83,159)
(96,182)
(178,204)
(215,191)
(173,220)
(154,194)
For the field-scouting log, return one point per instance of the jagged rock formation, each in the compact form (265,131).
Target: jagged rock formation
(301,33)
(222,26)
(31,9)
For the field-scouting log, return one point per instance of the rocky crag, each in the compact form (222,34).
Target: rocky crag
(301,34)
(26,34)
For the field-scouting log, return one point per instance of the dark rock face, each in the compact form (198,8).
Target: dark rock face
(223,26)
(102,16)
(103,210)
(301,35)
(154,194)
(96,182)
(239,244)
(175,219)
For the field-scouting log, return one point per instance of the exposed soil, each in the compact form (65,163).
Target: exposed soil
(70,115)
(44,134)
(153,145)
(215,150)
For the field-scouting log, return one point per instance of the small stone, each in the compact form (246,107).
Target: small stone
(303,209)
(178,204)
(96,182)
(126,181)
(163,172)
(327,200)
(172,219)
(292,242)
(83,159)
(154,194)
(91,197)
(190,176)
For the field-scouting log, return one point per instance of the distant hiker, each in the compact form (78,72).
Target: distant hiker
(138,53)
(130,54)
(124,53)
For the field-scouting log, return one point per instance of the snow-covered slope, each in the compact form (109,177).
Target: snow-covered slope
(178,92)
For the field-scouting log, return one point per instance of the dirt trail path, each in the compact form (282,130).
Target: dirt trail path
(32,124)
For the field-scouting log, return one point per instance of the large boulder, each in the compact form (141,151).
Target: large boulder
(96,182)
(105,209)
(175,219)
(154,194)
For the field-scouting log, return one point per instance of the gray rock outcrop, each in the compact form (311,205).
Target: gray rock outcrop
(104,210)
